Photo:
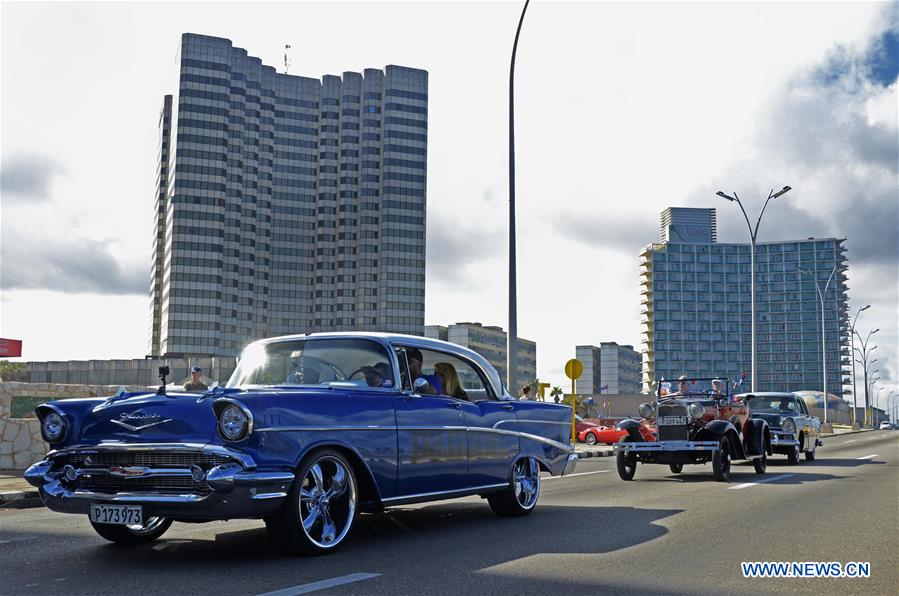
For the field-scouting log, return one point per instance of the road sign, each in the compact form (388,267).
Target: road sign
(574,369)
(10,348)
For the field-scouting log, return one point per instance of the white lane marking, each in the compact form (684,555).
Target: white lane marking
(873,455)
(771,479)
(850,441)
(573,475)
(19,539)
(322,585)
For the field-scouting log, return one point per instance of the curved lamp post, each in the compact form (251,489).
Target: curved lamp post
(865,353)
(852,355)
(823,344)
(512,355)
(753,235)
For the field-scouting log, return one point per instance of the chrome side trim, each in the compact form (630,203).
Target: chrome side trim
(460,492)
(266,496)
(519,421)
(475,429)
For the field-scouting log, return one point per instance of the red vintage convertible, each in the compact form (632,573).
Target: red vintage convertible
(600,434)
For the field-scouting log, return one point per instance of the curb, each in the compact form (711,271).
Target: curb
(595,453)
(20,499)
(851,432)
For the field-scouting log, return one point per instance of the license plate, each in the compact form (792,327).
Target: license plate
(123,515)
(672,420)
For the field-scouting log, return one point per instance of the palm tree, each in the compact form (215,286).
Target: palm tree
(556,393)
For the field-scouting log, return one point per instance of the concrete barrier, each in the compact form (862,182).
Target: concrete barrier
(20,438)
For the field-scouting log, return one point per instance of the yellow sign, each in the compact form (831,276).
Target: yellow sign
(574,369)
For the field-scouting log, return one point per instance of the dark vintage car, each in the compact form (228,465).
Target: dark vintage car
(699,423)
(309,431)
(793,429)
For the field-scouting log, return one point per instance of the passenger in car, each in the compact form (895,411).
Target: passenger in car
(415,358)
(449,378)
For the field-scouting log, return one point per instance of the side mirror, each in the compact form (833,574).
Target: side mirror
(421,385)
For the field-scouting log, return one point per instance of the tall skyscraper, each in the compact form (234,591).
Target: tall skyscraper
(696,308)
(609,369)
(287,204)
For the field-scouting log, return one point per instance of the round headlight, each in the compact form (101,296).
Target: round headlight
(788,425)
(53,427)
(645,410)
(233,423)
(696,410)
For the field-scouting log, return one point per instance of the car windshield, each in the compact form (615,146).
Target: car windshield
(692,388)
(786,403)
(314,362)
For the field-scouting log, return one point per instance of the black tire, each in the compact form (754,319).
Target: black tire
(627,463)
(810,455)
(676,468)
(309,523)
(721,461)
(793,455)
(590,439)
(760,463)
(521,496)
(132,536)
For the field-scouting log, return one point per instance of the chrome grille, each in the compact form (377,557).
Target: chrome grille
(680,432)
(94,467)
(150,459)
(114,484)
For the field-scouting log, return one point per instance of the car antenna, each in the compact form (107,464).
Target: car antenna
(164,371)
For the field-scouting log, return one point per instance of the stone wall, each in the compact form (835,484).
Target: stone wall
(20,438)
(136,371)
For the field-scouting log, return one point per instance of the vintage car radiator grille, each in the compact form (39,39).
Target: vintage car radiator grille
(673,432)
(94,470)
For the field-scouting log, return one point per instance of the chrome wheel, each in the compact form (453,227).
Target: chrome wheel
(590,439)
(526,482)
(327,503)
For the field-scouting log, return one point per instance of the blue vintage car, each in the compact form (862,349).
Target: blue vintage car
(309,431)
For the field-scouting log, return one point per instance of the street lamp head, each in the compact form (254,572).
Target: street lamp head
(865,307)
(875,331)
(724,196)
(781,192)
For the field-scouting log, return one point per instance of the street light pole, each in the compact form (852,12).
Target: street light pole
(852,355)
(512,355)
(753,234)
(823,335)
(865,353)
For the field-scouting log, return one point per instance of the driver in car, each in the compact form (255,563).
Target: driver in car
(377,375)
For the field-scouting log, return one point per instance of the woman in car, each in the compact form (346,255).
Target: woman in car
(449,378)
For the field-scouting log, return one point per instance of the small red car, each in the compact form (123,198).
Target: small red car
(601,434)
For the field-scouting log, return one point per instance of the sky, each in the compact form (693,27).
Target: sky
(622,110)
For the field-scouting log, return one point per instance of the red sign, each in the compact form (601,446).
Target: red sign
(10,348)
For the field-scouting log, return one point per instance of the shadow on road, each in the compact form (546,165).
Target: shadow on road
(467,534)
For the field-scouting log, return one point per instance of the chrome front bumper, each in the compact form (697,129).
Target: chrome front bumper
(665,446)
(570,464)
(238,490)
(783,440)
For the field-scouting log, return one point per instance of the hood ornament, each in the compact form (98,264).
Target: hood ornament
(139,420)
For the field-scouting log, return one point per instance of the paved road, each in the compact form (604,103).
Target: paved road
(591,533)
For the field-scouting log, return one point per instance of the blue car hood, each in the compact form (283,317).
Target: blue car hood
(150,418)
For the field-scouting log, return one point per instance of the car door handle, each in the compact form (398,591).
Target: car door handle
(509,407)
(454,405)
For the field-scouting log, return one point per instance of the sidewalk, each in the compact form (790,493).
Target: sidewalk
(15,492)
(587,451)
